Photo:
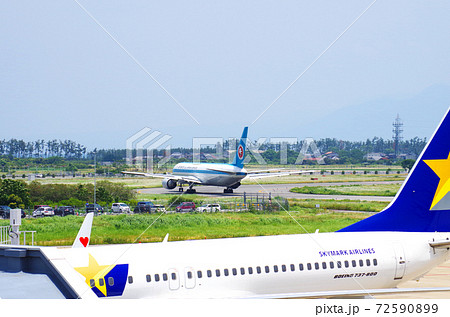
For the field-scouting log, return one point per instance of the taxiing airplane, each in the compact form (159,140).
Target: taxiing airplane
(372,256)
(215,174)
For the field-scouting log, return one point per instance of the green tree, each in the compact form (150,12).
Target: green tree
(14,192)
(407,164)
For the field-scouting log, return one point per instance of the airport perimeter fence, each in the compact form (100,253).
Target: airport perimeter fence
(259,202)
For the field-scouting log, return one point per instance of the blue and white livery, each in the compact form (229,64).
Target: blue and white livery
(215,174)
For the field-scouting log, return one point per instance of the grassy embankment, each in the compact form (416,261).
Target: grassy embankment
(354,190)
(108,229)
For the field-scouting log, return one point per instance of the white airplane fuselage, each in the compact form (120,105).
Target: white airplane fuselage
(214,174)
(255,266)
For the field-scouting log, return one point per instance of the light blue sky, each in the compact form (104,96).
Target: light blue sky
(63,76)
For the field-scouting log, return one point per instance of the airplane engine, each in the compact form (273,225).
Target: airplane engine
(169,183)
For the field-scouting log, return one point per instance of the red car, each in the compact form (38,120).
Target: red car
(186,207)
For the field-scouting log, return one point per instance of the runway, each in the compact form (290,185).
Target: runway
(282,190)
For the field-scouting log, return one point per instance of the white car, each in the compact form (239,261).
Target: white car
(120,207)
(43,211)
(209,208)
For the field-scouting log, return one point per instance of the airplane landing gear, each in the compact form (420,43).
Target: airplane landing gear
(228,190)
(190,190)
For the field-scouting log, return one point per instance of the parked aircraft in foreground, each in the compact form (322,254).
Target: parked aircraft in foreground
(215,174)
(403,242)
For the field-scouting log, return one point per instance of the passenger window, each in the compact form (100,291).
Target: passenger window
(324,265)
(368,262)
(217,273)
(258,269)
(300,266)
(309,266)
(242,271)
(111,281)
(209,273)
(156,277)
(275,268)
(91,282)
(283,268)
(339,264)
(375,262)
(189,274)
(101,282)
(199,274)
(292,267)
(361,263)
(267,269)
(130,280)
(164,276)
(226,272)
(346,263)
(174,275)
(353,263)
(331,265)
(250,270)
(234,271)
(316,265)
(148,278)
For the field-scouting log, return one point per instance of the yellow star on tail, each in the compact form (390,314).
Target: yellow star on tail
(442,170)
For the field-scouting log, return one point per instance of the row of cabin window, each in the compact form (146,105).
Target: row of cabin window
(284,268)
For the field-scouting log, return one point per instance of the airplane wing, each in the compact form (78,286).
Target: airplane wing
(187,179)
(269,173)
(350,293)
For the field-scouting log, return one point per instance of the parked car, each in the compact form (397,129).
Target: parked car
(38,206)
(4,212)
(64,211)
(121,208)
(209,208)
(43,211)
(94,208)
(148,206)
(185,207)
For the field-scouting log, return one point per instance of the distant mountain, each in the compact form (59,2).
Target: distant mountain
(420,115)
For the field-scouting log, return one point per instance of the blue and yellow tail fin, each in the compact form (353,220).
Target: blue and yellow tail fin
(241,149)
(423,202)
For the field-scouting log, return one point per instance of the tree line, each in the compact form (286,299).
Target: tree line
(19,194)
(52,152)
(41,148)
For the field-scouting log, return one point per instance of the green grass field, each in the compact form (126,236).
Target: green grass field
(355,190)
(112,229)
(109,229)
(332,204)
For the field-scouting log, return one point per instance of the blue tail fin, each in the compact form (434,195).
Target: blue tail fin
(240,152)
(422,204)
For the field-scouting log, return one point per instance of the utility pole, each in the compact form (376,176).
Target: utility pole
(95,177)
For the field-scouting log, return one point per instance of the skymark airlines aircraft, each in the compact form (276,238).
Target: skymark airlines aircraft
(214,174)
(403,242)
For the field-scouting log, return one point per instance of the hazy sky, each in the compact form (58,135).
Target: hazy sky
(208,68)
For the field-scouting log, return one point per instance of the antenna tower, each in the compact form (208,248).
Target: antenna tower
(397,130)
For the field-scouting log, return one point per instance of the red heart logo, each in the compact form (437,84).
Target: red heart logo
(84,241)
